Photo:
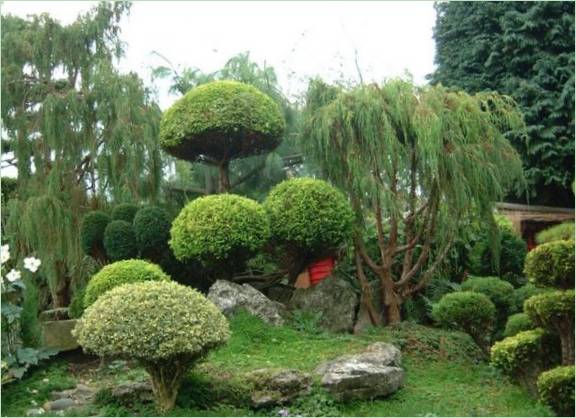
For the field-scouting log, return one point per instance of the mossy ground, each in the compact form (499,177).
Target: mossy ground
(445,376)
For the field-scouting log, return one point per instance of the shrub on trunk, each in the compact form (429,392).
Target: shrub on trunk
(556,389)
(517,323)
(551,265)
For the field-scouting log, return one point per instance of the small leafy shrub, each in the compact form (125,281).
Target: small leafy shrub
(92,233)
(119,273)
(307,321)
(152,230)
(517,323)
(318,403)
(563,231)
(551,265)
(120,241)
(165,326)
(554,311)
(470,312)
(556,389)
(498,290)
(521,294)
(124,212)
(221,231)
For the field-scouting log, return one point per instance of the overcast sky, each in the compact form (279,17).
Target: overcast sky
(299,39)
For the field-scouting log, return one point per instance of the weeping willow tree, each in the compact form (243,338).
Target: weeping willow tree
(416,162)
(78,132)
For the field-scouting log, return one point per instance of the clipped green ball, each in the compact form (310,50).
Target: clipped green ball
(222,120)
(124,212)
(119,273)
(218,229)
(514,354)
(92,232)
(498,290)
(152,229)
(152,322)
(520,295)
(563,231)
(551,265)
(517,323)
(552,310)
(556,389)
(120,241)
(309,214)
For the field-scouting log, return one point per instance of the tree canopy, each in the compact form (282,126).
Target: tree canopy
(525,50)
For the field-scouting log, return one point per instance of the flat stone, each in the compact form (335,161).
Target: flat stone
(81,394)
(277,387)
(34,412)
(59,404)
(139,389)
(58,335)
(54,314)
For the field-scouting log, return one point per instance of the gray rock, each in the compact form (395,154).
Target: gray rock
(81,394)
(59,404)
(373,373)
(230,297)
(34,412)
(58,335)
(333,298)
(273,387)
(138,389)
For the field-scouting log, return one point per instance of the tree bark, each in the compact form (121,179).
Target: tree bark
(224,180)
(567,344)
(366,298)
(166,380)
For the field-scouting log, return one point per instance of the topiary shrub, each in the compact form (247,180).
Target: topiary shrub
(551,265)
(517,323)
(524,356)
(470,312)
(164,326)
(221,231)
(554,311)
(120,241)
(563,231)
(521,294)
(556,389)
(119,273)
(92,233)
(308,219)
(152,230)
(220,121)
(124,212)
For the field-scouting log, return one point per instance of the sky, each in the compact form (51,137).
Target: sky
(299,39)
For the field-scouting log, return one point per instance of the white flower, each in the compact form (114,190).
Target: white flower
(13,275)
(4,253)
(32,264)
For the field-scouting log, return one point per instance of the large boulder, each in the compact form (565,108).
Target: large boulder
(230,297)
(277,387)
(333,298)
(374,373)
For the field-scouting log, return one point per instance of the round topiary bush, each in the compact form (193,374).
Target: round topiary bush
(554,311)
(152,230)
(498,290)
(222,231)
(517,323)
(92,233)
(119,273)
(521,294)
(471,312)
(124,212)
(308,219)
(120,241)
(551,265)
(165,326)
(221,120)
(556,389)
(563,231)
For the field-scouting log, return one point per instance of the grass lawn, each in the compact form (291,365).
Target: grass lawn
(445,376)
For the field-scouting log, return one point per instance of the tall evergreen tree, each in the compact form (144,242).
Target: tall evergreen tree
(525,50)
(78,132)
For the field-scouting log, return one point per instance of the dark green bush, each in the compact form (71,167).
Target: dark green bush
(221,231)
(92,233)
(76,308)
(498,290)
(517,323)
(119,273)
(521,294)
(471,312)
(152,229)
(556,389)
(551,265)
(222,120)
(124,212)
(120,241)
(563,231)
(309,215)
(8,186)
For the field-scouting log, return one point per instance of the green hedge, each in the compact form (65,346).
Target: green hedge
(152,230)
(92,232)
(120,241)
(522,294)
(119,273)
(517,323)
(124,212)
(556,389)
(551,265)
(552,308)
(498,290)
(563,231)
(523,352)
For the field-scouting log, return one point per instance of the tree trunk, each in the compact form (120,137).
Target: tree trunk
(224,180)
(391,299)
(567,344)
(166,380)
(366,298)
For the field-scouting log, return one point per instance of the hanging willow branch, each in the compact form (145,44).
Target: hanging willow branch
(415,162)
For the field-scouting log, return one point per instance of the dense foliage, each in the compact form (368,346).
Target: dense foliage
(517,323)
(163,325)
(402,155)
(551,265)
(525,50)
(124,212)
(556,389)
(221,231)
(120,241)
(498,290)
(563,231)
(521,294)
(152,230)
(119,273)
(92,233)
